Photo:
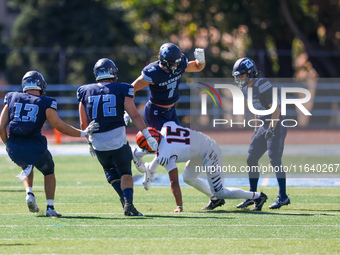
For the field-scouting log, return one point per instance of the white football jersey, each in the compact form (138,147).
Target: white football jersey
(183,143)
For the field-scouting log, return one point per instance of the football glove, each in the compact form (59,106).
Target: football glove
(127,118)
(199,55)
(153,144)
(91,149)
(162,161)
(268,134)
(92,127)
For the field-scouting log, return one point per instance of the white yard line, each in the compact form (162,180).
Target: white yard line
(165,225)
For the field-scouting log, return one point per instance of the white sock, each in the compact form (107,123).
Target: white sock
(256,195)
(213,198)
(140,152)
(201,186)
(153,165)
(29,189)
(235,193)
(50,202)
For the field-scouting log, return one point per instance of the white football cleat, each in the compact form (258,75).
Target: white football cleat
(50,212)
(147,180)
(148,177)
(31,203)
(138,161)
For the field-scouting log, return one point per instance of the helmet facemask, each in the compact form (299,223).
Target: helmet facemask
(34,80)
(170,57)
(244,66)
(105,69)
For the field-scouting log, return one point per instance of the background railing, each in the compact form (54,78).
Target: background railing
(324,105)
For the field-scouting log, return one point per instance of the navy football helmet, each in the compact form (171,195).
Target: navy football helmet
(34,80)
(242,66)
(105,69)
(170,57)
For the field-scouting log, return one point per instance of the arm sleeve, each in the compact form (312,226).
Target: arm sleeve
(80,94)
(266,90)
(131,91)
(146,76)
(54,104)
(7,98)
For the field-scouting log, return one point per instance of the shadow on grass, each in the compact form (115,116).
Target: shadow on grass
(99,218)
(13,190)
(181,216)
(15,244)
(282,213)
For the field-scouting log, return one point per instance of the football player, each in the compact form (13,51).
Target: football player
(163,78)
(25,113)
(105,102)
(199,151)
(270,136)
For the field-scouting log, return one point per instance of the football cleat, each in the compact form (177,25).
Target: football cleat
(147,180)
(245,203)
(213,204)
(259,202)
(31,203)
(130,210)
(50,212)
(138,161)
(148,177)
(122,201)
(278,203)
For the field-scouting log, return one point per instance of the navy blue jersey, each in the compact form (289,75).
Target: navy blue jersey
(262,96)
(27,113)
(104,103)
(164,90)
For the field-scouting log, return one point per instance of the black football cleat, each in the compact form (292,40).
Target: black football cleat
(130,210)
(213,204)
(279,202)
(259,202)
(122,201)
(245,203)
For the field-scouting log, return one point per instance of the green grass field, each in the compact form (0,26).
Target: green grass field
(93,221)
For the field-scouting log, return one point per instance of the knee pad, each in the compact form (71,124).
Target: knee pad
(112,175)
(45,165)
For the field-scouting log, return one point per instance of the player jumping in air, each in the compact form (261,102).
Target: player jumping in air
(163,78)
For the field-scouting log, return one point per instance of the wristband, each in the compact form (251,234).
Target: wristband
(146,133)
(83,133)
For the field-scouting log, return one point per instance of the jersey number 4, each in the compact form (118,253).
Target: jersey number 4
(109,105)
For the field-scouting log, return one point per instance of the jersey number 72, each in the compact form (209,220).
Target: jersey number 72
(109,105)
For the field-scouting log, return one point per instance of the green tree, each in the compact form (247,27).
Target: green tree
(70,27)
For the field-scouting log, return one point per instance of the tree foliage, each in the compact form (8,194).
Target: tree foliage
(273,33)
(62,24)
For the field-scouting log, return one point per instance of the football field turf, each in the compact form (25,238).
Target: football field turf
(93,221)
